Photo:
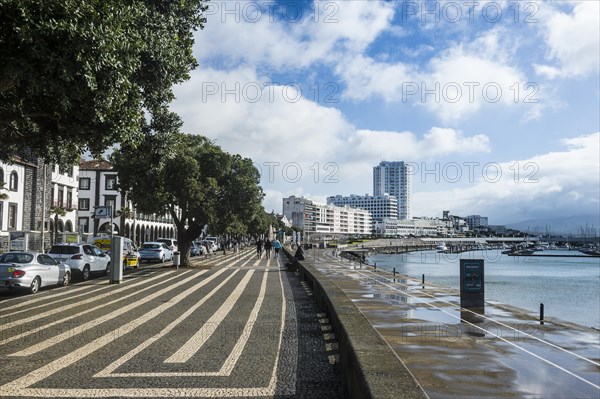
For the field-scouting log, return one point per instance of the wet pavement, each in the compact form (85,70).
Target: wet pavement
(455,353)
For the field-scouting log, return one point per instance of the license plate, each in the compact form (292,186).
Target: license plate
(11,269)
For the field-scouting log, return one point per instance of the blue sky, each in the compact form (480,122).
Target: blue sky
(494,103)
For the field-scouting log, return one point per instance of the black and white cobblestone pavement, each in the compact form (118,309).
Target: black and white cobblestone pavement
(241,328)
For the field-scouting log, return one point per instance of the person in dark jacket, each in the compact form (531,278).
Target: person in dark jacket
(259,248)
(268,246)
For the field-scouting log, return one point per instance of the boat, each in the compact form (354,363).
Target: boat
(521,252)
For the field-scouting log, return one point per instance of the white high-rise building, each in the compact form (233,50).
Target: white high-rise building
(393,178)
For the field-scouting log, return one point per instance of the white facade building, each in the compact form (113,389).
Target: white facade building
(394,178)
(381,206)
(474,221)
(24,203)
(98,187)
(63,195)
(416,227)
(11,209)
(315,218)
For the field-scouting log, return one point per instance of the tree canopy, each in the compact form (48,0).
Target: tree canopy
(84,75)
(193,180)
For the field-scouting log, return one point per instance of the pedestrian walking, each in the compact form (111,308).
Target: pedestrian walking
(259,248)
(268,245)
(277,246)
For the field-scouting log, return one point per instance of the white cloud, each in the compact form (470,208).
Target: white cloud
(453,85)
(564,182)
(301,145)
(373,145)
(297,41)
(573,40)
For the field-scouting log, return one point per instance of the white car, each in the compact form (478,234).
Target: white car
(171,243)
(197,249)
(83,259)
(211,245)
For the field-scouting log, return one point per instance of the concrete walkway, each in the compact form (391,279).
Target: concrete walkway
(453,353)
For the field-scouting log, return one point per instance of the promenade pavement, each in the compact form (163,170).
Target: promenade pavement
(455,353)
(231,326)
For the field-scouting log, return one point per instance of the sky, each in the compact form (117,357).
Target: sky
(494,104)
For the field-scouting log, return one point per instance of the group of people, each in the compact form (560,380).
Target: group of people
(267,245)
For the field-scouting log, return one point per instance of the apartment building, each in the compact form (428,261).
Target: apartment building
(98,187)
(381,206)
(394,178)
(314,218)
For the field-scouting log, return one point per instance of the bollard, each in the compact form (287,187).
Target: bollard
(541,313)
(394,274)
(423,280)
(375,267)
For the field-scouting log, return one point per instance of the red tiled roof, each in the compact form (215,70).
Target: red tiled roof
(95,164)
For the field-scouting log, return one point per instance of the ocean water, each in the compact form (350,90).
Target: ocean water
(569,288)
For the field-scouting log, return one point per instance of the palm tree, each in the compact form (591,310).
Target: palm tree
(57,211)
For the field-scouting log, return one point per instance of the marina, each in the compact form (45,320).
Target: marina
(568,286)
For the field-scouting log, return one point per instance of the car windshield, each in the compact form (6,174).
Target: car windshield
(64,250)
(16,258)
(147,246)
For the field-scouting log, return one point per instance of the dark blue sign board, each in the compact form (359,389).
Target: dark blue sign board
(472,283)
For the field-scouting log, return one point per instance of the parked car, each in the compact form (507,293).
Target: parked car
(196,249)
(211,246)
(31,271)
(171,243)
(131,256)
(83,259)
(155,251)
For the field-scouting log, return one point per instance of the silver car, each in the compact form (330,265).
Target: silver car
(155,251)
(31,271)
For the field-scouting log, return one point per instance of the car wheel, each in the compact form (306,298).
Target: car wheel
(66,279)
(137,265)
(86,273)
(108,269)
(162,259)
(35,285)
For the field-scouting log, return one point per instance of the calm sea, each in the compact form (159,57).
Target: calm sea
(569,288)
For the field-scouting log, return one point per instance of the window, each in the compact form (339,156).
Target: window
(1,213)
(84,224)
(60,199)
(84,204)
(1,177)
(84,183)
(111,201)
(14,181)
(111,182)
(12,216)
(69,204)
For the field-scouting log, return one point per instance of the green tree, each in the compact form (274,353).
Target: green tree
(84,75)
(194,181)
(3,196)
(57,211)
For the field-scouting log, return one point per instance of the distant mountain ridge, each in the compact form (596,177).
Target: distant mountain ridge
(588,225)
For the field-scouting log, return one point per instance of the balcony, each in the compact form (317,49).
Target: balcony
(62,204)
